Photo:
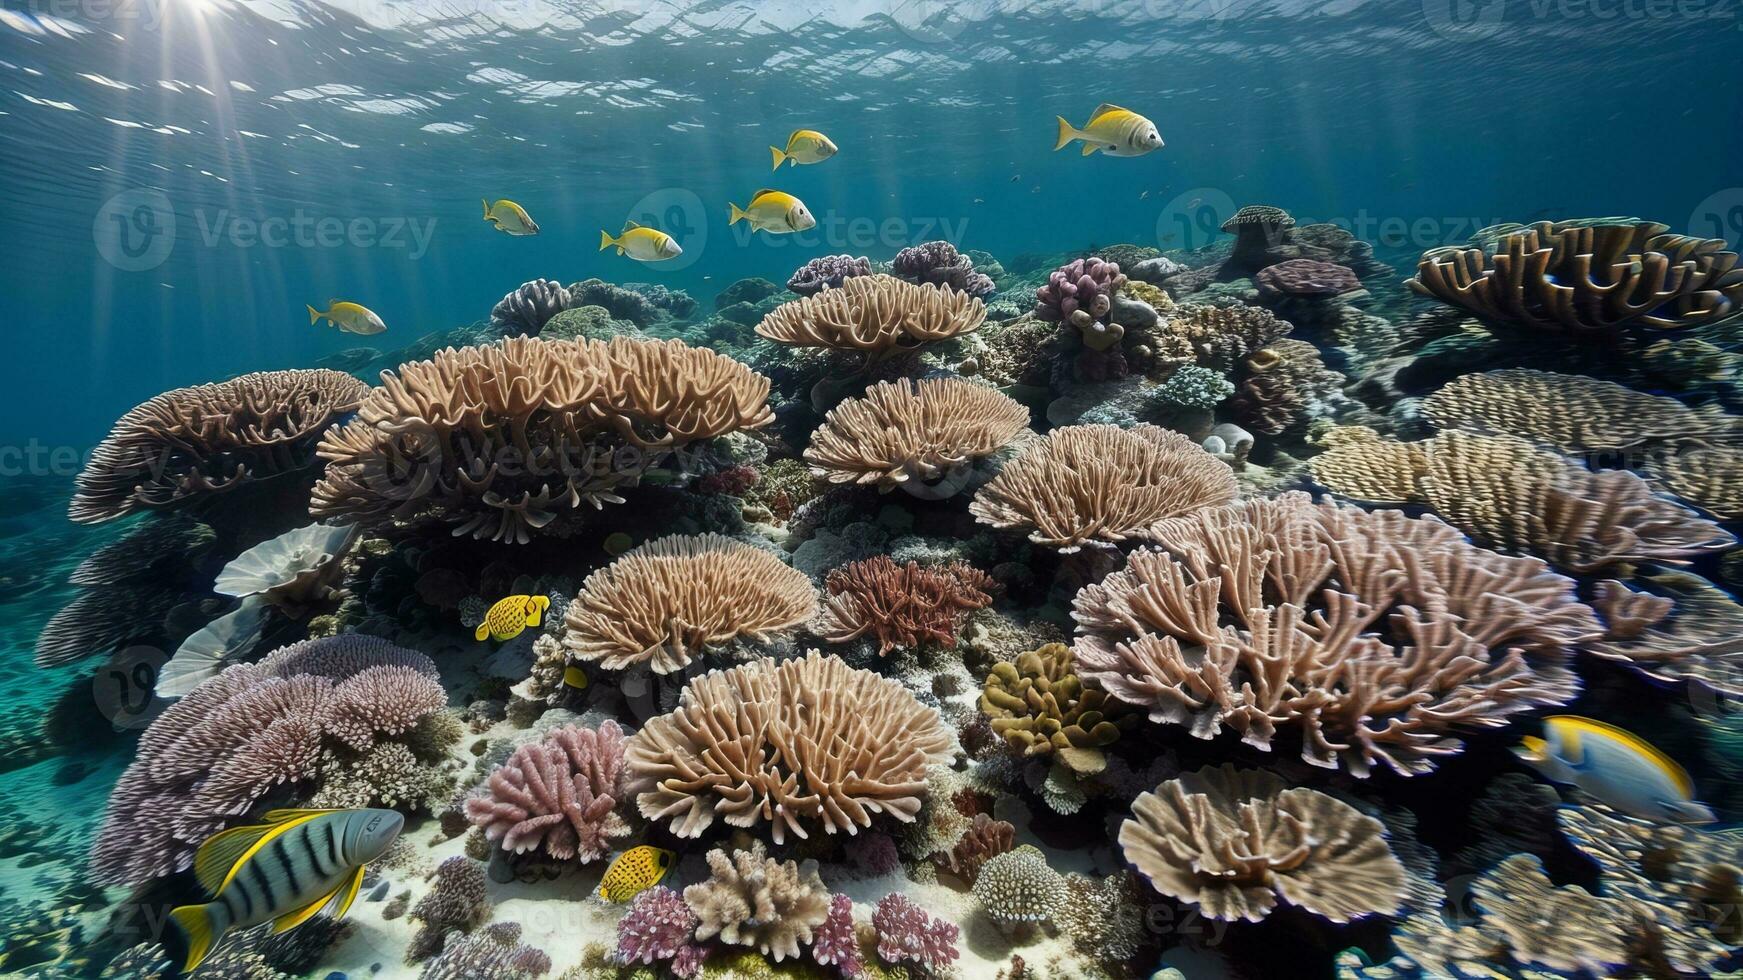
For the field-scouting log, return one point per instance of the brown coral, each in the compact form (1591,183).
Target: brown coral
(1572,413)
(1102,484)
(1283,383)
(794,743)
(985,839)
(502,440)
(1375,635)
(878,315)
(1561,927)
(187,444)
(1585,276)
(1234,842)
(1692,632)
(1218,337)
(664,603)
(753,900)
(1709,476)
(901,606)
(1040,707)
(901,431)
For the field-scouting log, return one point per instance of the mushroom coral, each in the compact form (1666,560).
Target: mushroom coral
(880,316)
(903,431)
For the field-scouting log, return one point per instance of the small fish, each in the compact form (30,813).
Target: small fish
(349,317)
(1114,131)
(641,243)
(804,146)
(575,677)
(282,871)
(776,212)
(508,617)
(510,218)
(635,871)
(1016,177)
(1616,767)
(1143,195)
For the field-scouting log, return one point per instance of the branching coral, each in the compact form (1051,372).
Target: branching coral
(1080,294)
(1687,629)
(666,602)
(753,900)
(1572,413)
(1375,635)
(1234,842)
(1102,484)
(1585,277)
(836,942)
(907,934)
(658,928)
(1563,928)
(190,443)
(901,606)
(492,953)
(556,796)
(500,441)
(827,272)
(1040,706)
(902,431)
(796,743)
(457,901)
(940,264)
(880,316)
(526,309)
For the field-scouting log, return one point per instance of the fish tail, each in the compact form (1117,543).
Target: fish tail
(483,629)
(1067,133)
(737,213)
(780,157)
(314,315)
(191,935)
(605,240)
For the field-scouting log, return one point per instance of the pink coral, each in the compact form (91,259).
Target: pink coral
(557,796)
(658,928)
(906,932)
(835,943)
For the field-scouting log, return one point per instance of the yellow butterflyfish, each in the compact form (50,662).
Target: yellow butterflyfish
(635,871)
(510,218)
(804,146)
(776,212)
(508,617)
(1114,131)
(349,317)
(641,243)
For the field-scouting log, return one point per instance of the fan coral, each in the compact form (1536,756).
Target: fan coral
(1080,293)
(984,840)
(1585,277)
(902,431)
(1298,278)
(1102,484)
(907,933)
(525,310)
(664,603)
(827,272)
(880,316)
(753,900)
(247,731)
(501,440)
(185,445)
(1689,633)
(1374,634)
(1573,413)
(901,606)
(1018,888)
(835,943)
(1039,705)
(1257,229)
(1233,842)
(1218,337)
(556,796)
(657,929)
(104,619)
(1710,476)
(940,264)
(492,953)
(790,743)
(1283,384)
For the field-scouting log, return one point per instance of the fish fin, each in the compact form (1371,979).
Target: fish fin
(1533,746)
(1089,147)
(737,213)
(1104,109)
(575,677)
(290,920)
(1067,133)
(277,822)
(1677,774)
(779,157)
(190,936)
(481,632)
(793,136)
(349,893)
(629,226)
(486,208)
(314,315)
(1689,811)
(605,242)
(223,851)
(294,813)
(760,192)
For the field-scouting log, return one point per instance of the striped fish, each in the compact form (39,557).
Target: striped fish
(282,871)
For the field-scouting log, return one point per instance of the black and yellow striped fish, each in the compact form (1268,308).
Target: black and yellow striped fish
(282,871)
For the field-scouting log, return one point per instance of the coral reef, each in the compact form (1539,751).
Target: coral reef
(493,953)
(901,606)
(1258,228)
(556,796)
(1217,337)
(985,839)
(456,902)
(751,899)
(836,943)
(1685,629)
(658,928)
(1709,476)
(1080,294)
(526,309)
(1304,279)
(901,431)
(1018,889)
(827,272)
(1283,385)
(1040,706)
(1572,413)
(940,264)
(906,933)
(879,316)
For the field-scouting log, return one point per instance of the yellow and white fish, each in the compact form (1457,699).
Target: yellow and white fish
(804,146)
(1112,130)
(575,677)
(641,243)
(510,218)
(776,212)
(508,617)
(1615,767)
(635,871)
(349,317)
(282,871)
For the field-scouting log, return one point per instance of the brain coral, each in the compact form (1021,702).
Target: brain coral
(1374,635)
(1573,413)
(912,430)
(186,444)
(795,743)
(880,316)
(501,440)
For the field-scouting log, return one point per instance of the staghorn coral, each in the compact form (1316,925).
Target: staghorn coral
(525,310)
(1584,277)
(556,796)
(902,431)
(493,953)
(1040,707)
(1236,842)
(1687,629)
(658,929)
(1572,413)
(796,743)
(1080,294)
(901,606)
(940,264)
(1101,484)
(666,602)
(1018,889)
(984,840)
(1375,635)
(500,441)
(827,272)
(1304,279)
(188,444)
(907,934)
(751,899)
(1708,476)
(879,316)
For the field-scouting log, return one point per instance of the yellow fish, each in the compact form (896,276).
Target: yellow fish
(776,212)
(510,616)
(349,317)
(640,243)
(1115,131)
(575,677)
(510,218)
(804,146)
(1616,767)
(635,871)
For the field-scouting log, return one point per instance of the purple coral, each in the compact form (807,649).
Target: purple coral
(1305,278)
(557,796)
(940,264)
(827,271)
(905,932)
(1082,286)
(658,928)
(834,943)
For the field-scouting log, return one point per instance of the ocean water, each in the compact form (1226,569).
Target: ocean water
(186,177)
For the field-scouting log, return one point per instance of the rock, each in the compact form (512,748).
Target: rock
(587,322)
(1132,313)
(751,290)
(1155,270)
(744,314)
